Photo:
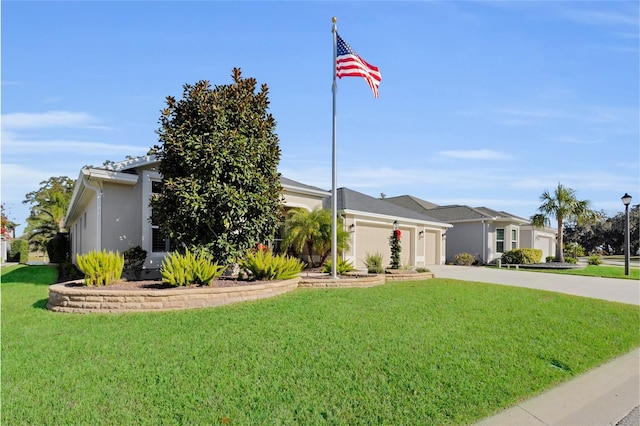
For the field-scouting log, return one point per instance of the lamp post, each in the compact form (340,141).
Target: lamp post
(626,200)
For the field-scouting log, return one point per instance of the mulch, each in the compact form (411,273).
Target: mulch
(159,285)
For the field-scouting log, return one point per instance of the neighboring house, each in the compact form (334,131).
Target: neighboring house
(110,210)
(370,221)
(8,234)
(481,231)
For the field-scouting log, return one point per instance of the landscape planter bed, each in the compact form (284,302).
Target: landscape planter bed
(76,298)
(407,276)
(348,280)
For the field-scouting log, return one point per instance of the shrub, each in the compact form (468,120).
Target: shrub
(396,248)
(573,250)
(550,259)
(522,256)
(423,269)
(571,260)
(342,267)
(180,269)
(58,248)
(595,260)
(264,265)
(134,260)
(68,270)
(19,251)
(465,259)
(101,267)
(373,261)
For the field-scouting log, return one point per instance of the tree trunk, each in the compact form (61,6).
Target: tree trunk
(309,253)
(559,243)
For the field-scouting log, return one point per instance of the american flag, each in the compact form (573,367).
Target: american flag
(350,64)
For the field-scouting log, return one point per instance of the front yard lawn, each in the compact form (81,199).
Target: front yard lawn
(437,351)
(604,271)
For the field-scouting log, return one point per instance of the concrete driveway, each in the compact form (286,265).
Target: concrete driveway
(612,289)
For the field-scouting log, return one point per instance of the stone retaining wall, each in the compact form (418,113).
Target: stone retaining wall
(357,281)
(82,300)
(63,298)
(408,277)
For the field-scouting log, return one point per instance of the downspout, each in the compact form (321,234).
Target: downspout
(98,192)
(484,242)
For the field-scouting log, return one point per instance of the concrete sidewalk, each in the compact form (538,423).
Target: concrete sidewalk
(605,395)
(602,396)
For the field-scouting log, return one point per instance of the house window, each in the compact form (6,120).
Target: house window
(514,239)
(160,243)
(500,240)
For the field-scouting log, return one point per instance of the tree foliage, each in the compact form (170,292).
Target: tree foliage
(310,232)
(6,225)
(563,205)
(606,236)
(49,206)
(219,155)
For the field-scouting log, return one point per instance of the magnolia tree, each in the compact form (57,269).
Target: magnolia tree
(219,158)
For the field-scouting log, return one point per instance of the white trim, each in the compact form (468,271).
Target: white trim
(305,191)
(131,163)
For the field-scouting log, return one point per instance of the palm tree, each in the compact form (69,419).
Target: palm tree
(311,230)
(563,205)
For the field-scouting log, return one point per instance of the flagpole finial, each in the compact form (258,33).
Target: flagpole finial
(334,20)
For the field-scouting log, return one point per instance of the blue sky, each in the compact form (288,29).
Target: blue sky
(481,103)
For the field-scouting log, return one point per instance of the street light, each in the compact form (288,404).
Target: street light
(626,200)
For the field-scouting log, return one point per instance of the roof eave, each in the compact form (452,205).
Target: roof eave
(398,218)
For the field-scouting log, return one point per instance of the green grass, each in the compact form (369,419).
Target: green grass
(595,271)
(428,352)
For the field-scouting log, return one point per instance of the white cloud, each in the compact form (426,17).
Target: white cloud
(13,145)
(575,140)
(23,120)
(597,17)
(479,154)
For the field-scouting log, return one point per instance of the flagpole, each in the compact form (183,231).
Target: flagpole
(334,179)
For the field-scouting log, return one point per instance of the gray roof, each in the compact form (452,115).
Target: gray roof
(410,202)
(357,201)
(291,182)
(129,165)
(466,213)
(501,213)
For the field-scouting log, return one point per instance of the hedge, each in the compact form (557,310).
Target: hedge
(19,251)
(522,256)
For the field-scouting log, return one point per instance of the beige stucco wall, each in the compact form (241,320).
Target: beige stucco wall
(297,200)
(371,236)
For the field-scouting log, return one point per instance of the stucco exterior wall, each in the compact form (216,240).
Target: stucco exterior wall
(83,231)
(369,237)
(465,238)
(121,216)
(547,244)
(296,200)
